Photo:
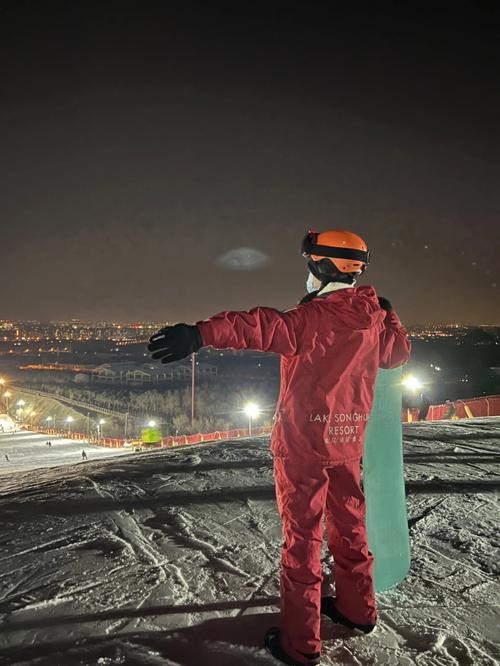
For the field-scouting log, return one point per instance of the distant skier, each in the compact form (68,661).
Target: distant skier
(84,455)
(48,443)
(7,458)
(331,345)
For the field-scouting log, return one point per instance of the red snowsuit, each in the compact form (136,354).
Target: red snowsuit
(331,349)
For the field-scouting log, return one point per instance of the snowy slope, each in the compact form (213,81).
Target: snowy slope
(172,558)
(28,450)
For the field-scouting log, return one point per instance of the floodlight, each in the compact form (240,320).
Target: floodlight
(251,410)
(412,383)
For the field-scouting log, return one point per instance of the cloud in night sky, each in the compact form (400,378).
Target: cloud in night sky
(243,259)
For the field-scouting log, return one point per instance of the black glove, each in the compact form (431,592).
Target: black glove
(173,343)
(384,303)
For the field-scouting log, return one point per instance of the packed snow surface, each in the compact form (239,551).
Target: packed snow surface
(172,557)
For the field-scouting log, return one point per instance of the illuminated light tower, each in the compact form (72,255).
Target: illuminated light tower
(415,386)
(69,421)
(100,429)
(7,395)
(151,424)
(252,411)
(49,420)
(193,387)
(20,408)
(412,383)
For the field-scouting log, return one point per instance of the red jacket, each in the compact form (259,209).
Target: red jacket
(331,349)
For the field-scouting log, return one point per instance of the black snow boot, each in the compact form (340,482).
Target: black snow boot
(328,608)
(272,644)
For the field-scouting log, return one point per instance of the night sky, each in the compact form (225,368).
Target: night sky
(141,141)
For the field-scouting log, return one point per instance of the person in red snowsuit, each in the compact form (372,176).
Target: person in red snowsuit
(331,345)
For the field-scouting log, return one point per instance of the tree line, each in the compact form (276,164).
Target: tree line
(219,402)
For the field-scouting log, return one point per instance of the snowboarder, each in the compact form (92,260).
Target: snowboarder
(331,346)
(84,455)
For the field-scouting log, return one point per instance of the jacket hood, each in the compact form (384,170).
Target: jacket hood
(356,307)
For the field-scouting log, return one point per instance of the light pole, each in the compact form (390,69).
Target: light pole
(20,408)
(69,421)
(252,411)
(7,395)
(99,429)
(415,386)
(49,420)
(412,383)
(193,387)
(4,395)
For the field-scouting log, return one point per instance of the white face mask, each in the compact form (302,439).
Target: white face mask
(312,284)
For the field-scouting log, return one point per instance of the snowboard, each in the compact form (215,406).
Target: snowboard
(383,482)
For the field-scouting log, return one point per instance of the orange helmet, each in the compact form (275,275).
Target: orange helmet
(346,251)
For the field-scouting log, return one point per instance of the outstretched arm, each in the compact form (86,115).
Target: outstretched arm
(263,329)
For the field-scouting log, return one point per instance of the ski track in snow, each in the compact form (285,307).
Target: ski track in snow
(99,566)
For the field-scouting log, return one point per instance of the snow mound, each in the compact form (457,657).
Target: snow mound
(171,558)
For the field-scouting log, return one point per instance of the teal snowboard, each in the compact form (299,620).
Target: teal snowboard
(383,480)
